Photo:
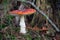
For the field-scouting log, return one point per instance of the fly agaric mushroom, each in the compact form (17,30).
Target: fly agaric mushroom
(22,13)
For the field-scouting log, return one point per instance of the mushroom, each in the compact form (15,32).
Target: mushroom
(22,14)
(44,29)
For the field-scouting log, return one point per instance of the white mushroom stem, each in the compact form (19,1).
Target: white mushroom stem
(22,25)
(17,19)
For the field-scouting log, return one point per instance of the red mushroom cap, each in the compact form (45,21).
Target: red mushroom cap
(28,11)
(24,12)
(15,11)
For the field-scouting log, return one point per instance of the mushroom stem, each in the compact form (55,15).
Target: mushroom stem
(17,19)
(22,25)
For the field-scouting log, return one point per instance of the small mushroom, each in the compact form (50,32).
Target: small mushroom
(44,29)
(22,14)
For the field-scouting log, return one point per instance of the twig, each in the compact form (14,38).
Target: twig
(44,37)
(33,1)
